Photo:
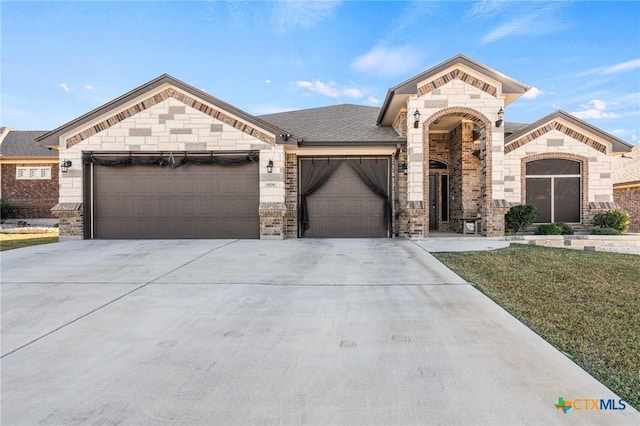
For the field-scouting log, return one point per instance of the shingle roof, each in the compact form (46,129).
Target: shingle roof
(22,143)
(511,127)
(338,123)
(627,169)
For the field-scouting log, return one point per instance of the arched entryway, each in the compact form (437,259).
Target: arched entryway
(460,194)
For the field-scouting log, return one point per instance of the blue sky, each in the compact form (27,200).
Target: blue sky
(62,59)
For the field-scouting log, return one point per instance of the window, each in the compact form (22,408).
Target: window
(554,187)
(33,172)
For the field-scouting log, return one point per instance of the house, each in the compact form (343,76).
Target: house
(626,186)
(167,160)
(28,177)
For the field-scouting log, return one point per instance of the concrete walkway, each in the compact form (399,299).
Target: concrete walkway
(269,332)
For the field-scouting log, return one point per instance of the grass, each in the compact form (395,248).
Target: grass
(14,241)
(586,304)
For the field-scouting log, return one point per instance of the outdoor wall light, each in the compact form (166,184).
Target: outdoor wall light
(64,167)
(404,168)
(500,117)
(416,119)
(270,166)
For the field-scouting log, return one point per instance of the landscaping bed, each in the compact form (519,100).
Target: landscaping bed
(584,303)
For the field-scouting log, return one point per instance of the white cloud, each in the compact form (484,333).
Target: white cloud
(291,15)
(372,100)
(612,69)
(267,81)
(88,87)
(64,87)
(485,9)
(532,93)
(595,109)
(622,67)
(538,21)
(387,61)
(329,89)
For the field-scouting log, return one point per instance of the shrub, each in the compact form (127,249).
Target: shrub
(519,217)
(549,229)
(566,228)
(606,231)
(556,228)
(614,219)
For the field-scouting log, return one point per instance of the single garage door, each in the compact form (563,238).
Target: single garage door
(191,201)
(345,206)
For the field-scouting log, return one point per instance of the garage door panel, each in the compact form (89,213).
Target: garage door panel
(345,207)
(192,201)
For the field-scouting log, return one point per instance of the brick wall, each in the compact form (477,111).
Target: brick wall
(31,198)
(291,196)
(628,199)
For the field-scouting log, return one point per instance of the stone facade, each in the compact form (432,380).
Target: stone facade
(628,200)
(168,125)
(31,198)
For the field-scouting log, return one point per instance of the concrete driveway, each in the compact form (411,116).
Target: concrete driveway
(269,332)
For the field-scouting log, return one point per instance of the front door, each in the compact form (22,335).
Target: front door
(433,199)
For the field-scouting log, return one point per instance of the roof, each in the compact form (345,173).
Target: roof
(511,127)
(617,144)
(51,138)
(338,123)
(627,169)
(410,86)
(22,143)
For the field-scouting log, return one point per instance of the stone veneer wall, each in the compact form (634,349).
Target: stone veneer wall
(171,126)
(291,196)
(628,200)
(597,189)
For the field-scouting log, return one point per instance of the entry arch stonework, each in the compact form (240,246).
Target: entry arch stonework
(491,216)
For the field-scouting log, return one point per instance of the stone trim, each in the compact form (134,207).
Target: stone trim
(490,224)
(584,178)
(158,98)
(554,125)
(460,75)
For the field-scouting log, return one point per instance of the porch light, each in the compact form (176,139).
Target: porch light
(270,166)
(404,168)
(416,119)
(500,117)
(64,167)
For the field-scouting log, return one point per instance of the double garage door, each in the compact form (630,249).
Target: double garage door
(192,201)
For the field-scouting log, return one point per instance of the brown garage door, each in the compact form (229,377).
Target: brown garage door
(192,201)
(345,207)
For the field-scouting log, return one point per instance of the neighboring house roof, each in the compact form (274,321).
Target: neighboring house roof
(410,87)
(626,170)
(51,138)
(19,143)
(510,127)
(335,125)
(617,145)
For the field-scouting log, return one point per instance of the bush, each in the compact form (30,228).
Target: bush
(614,219)
(606,231)
(556,228)
(519,217)
(549,229)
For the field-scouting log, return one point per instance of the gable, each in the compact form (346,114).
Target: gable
(457,74)
(570,126)
(156,99)
(150,94)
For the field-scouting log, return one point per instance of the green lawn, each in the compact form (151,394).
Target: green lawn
(587,304)
(13,241)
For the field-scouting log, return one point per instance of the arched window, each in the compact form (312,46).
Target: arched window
(553,186)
